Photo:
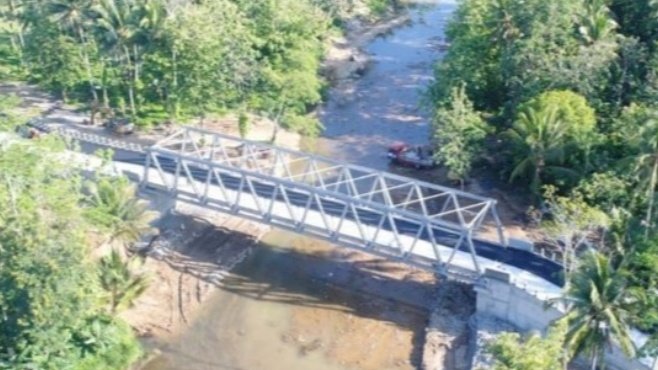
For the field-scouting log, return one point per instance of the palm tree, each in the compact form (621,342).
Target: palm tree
(114,22)
(597,315)
(115,207)
(75,14)
(118,278)
(125,27)
(596,23)
(540,138)
(646,162)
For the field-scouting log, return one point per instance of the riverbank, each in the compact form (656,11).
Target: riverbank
(194,252)
(346,59)
(297,302)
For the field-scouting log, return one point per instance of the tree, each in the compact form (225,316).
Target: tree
(636,18)
(114,207)
(548,127)
(572,110)
(572,222)
(243,125)
(212,62)
(117,23)
(642,140)
(598,310)
(539,139)
(119,279)
(288,32)
(158,60)
(50,294)
(74,14)
(641,272)
(596,23)
(510,351)
(608,191)
(507,52)
(458,134)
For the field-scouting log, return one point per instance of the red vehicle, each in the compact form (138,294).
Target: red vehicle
(418,156)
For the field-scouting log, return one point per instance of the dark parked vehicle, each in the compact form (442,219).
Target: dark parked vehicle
(121,126)
(418,156)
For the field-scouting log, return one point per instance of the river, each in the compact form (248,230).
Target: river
(297,303)
(362,119)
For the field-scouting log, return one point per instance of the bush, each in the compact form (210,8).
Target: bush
(108,344)
(378,6)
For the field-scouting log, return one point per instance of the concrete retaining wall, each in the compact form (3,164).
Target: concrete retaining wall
(528,312)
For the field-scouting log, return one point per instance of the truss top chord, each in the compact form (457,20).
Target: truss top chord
(422,200)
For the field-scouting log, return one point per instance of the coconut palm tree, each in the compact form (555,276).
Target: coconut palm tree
(126,27)
(114,22)
(74,15)
(119,279)
(540,139)
(597,304)
(596,22)
(114,206)
(646,161)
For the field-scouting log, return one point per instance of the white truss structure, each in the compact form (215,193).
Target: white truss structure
(350,205)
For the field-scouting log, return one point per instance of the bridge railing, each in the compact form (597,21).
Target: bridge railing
(351,205)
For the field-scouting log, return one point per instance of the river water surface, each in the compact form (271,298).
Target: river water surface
(297,303)
(361,120)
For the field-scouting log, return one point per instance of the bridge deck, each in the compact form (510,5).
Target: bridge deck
(422,224)
(428,226)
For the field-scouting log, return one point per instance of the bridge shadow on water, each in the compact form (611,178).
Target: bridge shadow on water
(309,274)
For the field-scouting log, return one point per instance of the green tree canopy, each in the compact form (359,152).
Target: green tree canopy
(571,109)
(509,51)
(49,294)
(458,134)
(152,60)
(539,139)
(511,351)
(598,309)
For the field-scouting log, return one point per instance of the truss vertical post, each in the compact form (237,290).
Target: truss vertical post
(469,239)
(499,226)
(147,169)
(179,162)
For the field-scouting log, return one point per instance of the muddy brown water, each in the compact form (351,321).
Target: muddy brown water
(297,303)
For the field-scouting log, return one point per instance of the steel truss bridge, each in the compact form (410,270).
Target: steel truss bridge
(422,224)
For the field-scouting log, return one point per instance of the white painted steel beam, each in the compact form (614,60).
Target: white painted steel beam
(347,204)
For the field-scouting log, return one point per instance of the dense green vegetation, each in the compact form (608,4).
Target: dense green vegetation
(57,302)
(568,87)
(512,352)
(155,60)
(568,90)
(52,315)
